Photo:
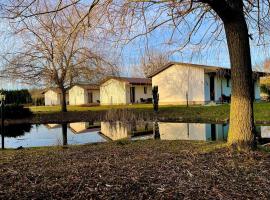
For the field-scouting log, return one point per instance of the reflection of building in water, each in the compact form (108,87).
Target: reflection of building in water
(81,127)
(114,130)
(51,126)
(265,131)
(119,130)
(192,131)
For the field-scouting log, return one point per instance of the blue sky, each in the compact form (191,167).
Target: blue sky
(216,54)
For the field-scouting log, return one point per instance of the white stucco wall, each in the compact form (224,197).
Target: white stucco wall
(139,92)
(174,82)
(257,90)
(76,96)
(52,98)
(113,92)
(79,95)
(222,88)
(206,87)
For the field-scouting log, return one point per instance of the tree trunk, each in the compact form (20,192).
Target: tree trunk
(242,130)
(63,100)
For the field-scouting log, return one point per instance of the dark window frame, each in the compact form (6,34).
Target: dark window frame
(228,82)
(145,89)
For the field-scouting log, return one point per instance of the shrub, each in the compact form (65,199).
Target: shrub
(15,111)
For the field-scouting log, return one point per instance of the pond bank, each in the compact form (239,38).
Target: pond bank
(165,115)
(135,170)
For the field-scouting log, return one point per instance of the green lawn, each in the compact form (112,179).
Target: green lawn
(220,112)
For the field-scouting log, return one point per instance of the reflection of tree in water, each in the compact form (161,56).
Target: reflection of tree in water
(64,134)
(156,130)
(17,130)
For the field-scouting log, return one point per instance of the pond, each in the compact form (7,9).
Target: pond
(37,135)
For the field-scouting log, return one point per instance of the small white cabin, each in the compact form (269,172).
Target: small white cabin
(84,94)
(123,90)
(181,83)
(52,97)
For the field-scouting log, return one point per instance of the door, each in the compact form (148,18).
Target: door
(212,88)
(132,94)
(90,97)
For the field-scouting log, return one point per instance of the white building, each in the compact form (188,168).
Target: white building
(52,97)
(198,84)
(123,90)
(83,94)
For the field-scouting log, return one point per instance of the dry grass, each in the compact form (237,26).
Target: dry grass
(135,170)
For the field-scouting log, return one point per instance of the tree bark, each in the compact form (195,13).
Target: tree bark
(242,130)
(63,100)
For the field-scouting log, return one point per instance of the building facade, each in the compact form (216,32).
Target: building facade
(84,94)
(123,90)
(182,83)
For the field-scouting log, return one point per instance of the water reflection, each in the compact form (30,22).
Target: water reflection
(120,130)
(81,127)
(27,135)
(193,131)
(47,135)
(64,134)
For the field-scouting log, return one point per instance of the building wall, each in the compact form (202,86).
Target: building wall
(139,92)
(113,92)
(177,81)
(96,96)
(76,96)
(257,90)
(79,96)
(206,87)
(52,98)
(221,87)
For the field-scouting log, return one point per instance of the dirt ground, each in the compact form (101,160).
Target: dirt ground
(135,170)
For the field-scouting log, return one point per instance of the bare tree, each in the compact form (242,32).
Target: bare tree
(153,60)
(57,50)
(202,23)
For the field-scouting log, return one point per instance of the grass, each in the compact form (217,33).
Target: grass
(213,113)
(150,169)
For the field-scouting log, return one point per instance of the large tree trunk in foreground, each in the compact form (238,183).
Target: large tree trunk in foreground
(241,131)
(63,100)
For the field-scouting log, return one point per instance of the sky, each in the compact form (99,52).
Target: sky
(161,41)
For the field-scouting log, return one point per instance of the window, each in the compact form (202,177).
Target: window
(145,90)
(228,82)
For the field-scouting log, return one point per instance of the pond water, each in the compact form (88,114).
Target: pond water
(36,135)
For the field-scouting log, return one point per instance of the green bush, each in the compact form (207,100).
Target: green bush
(15,111)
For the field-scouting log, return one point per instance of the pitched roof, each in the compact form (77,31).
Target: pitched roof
(88,86)
(57,90)
(135,81)
(208,67)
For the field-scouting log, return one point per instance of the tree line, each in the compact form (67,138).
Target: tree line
(22,96)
